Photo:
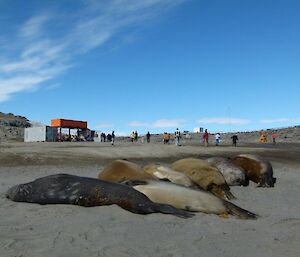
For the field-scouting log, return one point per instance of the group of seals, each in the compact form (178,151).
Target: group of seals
(185,192)
(192,185)
(244,167)
(83,191)
(205,175)
(256,169)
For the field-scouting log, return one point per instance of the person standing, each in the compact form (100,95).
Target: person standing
(177,137)
(166,138)
(205,137)
(148,135)
(217,137)
(274,136)
(234,139)
(113,138)
(132,137)
(136,136)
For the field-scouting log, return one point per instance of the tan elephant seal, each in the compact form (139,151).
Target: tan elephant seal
(163,172)
(121,170)
(233,174)
(205,175)
(256,169)
(187,199)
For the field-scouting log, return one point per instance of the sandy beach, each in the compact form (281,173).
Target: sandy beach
(32,230)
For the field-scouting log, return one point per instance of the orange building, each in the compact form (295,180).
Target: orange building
(70,124)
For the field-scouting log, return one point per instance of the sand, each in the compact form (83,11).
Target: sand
(64,230)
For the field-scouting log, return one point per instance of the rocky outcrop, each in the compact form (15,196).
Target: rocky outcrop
(12,127)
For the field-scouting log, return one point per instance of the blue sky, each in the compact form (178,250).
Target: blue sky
(152,65)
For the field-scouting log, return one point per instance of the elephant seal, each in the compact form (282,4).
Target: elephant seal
(83,191)
(205,175)
(256,169)
(121,170)
(163,172)
(233,174)
(188,199)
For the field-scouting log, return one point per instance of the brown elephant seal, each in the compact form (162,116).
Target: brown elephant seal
(233,174)
(163,172)
(205,175)
(121,170)
(256,169)
(188,199)
(83,191)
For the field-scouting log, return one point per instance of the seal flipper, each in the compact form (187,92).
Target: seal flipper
(169,209)
(239,212)
(134,182)
(221,191)
(229,195)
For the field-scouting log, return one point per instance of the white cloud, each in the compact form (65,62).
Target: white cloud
(138,124)
(168,123)
(224,121)
(53,86)
(280,120)
(41,52)
(162,123)
(33,26)
(104,125)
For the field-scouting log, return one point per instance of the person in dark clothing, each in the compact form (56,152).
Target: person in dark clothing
(113,138)
(148,137)
(234,139)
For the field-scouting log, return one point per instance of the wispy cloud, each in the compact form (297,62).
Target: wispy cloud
(162,123)
(54,86)
(48,43)
(103,125)
(280,120)
(33,27)
(224,121)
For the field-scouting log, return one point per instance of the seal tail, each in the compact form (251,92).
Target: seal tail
(169,209)
(240,212)
(229,195)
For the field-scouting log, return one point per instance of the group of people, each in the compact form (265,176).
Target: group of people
(218,138)
(134,136)
(108,138)
(167,137)
(205,138)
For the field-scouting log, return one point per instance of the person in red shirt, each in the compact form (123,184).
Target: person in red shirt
(205,138)
(274,136)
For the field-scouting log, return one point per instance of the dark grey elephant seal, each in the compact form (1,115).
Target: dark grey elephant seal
(256,169)
(234,175)
(83,191)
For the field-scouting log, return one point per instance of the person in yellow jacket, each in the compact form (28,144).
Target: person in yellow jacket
(132,137)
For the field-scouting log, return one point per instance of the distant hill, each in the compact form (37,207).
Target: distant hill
(12,127)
